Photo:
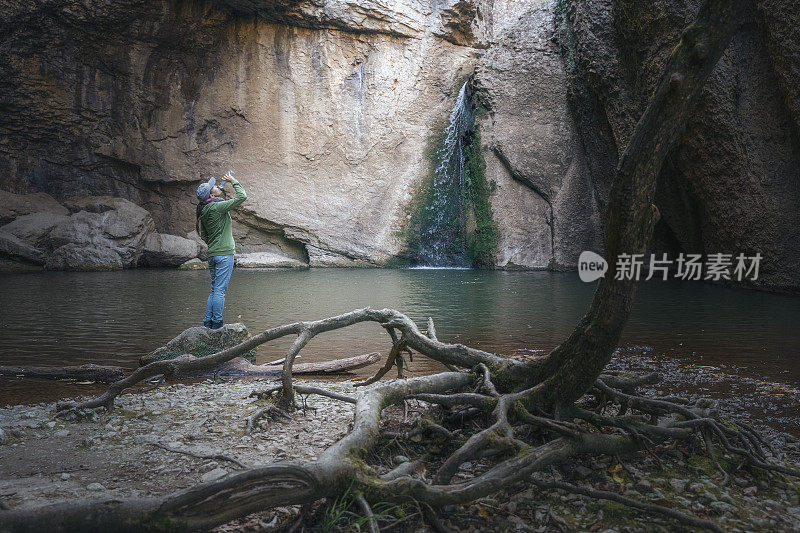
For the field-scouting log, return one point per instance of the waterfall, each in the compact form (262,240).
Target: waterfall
(442,236)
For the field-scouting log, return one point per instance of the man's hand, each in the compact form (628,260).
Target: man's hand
(228,176)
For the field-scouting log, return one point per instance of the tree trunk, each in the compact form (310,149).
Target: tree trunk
(242,367)
(570,369)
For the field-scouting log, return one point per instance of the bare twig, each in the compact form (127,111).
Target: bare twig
(647,507)
(372,524)
(211,456)
(272,410)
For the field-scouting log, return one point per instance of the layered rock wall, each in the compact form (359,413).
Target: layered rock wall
(544,198)
(328,111)
(323,109)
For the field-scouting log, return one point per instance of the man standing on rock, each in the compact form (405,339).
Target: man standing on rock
(214,226)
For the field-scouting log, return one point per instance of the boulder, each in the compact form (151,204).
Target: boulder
(13,206)
(34,229)
(199,341)
(97,204)
(109,234)
(266,260)
(14,248)
(161,249)
(84,258)
(194,264)
(202,246)
(122,229)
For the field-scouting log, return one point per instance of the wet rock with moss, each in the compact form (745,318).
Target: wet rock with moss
(200,341)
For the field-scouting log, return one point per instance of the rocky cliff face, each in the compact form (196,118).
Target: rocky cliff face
(324,110)
(329,111)
(733,183)
(544,198)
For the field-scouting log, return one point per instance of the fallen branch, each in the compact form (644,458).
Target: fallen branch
(242,367)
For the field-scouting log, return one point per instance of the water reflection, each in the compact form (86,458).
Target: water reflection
(113,318)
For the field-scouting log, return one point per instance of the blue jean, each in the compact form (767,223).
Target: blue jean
(220,267)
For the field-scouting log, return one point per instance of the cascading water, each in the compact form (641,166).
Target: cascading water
(442,235)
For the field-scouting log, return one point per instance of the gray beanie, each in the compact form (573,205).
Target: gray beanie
(204,189)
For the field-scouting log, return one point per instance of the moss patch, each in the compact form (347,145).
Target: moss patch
(202,350)
(482,241)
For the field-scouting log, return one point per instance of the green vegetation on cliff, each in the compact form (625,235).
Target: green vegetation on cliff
(482,240)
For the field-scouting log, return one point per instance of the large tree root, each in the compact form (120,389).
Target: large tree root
(526,444)
(393,321)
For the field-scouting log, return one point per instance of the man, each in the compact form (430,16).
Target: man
(214,226)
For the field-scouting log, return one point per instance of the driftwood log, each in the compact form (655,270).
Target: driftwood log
(90,372)
(238,366)
(242,367)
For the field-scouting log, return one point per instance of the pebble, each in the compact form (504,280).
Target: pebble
(678,485)
(213,475)
(95,486)
(750,491)
(208,467)
(643,486)
(722,507)
(706,497)
(64,476)
(61,433)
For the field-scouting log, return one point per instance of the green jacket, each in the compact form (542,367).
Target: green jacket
(215,223)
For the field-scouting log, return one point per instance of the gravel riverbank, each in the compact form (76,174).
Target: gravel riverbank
(125,453)
(47,460)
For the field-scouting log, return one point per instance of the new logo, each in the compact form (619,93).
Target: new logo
(591,266)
